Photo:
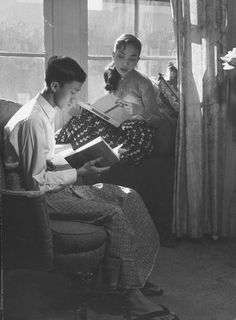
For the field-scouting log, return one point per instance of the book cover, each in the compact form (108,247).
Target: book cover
(90,151)
(110,108)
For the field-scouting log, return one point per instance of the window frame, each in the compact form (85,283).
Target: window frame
(61,20)
(31,56)
(93,57)
(47,5)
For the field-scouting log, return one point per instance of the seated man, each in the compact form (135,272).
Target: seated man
(132,237)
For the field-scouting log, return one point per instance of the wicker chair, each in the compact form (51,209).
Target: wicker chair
(31,240)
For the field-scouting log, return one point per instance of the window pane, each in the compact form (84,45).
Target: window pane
(22,26)
(106,21)
(95,79)
(156,29)
(21,78)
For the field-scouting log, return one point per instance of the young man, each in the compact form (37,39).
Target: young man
(132,237)
(31,130)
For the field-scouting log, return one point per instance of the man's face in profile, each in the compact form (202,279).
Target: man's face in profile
(67,94)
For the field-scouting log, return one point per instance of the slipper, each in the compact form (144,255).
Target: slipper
(150,289)
(163,314)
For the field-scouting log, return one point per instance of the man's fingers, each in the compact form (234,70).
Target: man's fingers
(102,169)
(94,161)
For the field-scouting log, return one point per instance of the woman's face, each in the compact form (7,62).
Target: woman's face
(126,59)
(67,94)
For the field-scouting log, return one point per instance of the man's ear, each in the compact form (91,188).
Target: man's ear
(113,55)
(54,86)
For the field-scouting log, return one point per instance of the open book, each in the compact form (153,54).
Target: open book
(76,158)
(110,108)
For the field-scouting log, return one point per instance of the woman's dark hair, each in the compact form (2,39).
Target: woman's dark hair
(64,70)
(111,75)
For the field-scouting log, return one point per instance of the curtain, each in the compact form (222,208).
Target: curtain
(200,27)
(229,195)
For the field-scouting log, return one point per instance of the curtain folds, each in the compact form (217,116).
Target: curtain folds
(200,27)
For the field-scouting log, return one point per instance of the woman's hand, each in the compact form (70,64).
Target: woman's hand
(91,168)
(134,110)
(128,106)
(120,151)
(137,117)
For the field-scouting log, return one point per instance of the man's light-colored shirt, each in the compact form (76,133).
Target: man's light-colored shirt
(29,142)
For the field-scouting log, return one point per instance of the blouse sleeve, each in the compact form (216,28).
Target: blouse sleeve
(151,101)
(33,150)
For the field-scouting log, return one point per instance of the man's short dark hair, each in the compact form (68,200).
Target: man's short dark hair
(64,70)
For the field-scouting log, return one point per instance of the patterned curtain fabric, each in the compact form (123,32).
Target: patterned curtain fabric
(200,27)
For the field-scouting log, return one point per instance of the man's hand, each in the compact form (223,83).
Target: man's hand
(50,166)
(91,168)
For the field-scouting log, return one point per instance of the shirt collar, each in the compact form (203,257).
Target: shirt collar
(46,106)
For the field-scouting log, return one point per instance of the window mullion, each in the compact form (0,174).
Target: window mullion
(22,54)
(107,57)
(136,18)
(48,28)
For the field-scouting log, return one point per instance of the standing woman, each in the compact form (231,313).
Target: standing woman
(122,79)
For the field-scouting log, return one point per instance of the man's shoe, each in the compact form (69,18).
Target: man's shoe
(140,308)
(150,289)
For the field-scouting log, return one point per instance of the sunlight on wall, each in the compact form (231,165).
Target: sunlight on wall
(193,9)
(198,66)
(216,59)
(95,5)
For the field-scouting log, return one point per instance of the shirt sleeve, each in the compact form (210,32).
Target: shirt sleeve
(151,102)
(33,150)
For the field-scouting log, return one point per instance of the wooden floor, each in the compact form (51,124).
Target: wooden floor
(199,280)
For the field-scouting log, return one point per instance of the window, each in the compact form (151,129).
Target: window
(151,21)
(22,53)
(32,30)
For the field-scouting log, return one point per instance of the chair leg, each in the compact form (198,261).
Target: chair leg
(82,282)
(81,312)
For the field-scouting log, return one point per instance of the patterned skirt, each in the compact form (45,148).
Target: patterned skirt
(136,136)
(132,236)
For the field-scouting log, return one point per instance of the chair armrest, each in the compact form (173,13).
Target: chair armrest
(27,237)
